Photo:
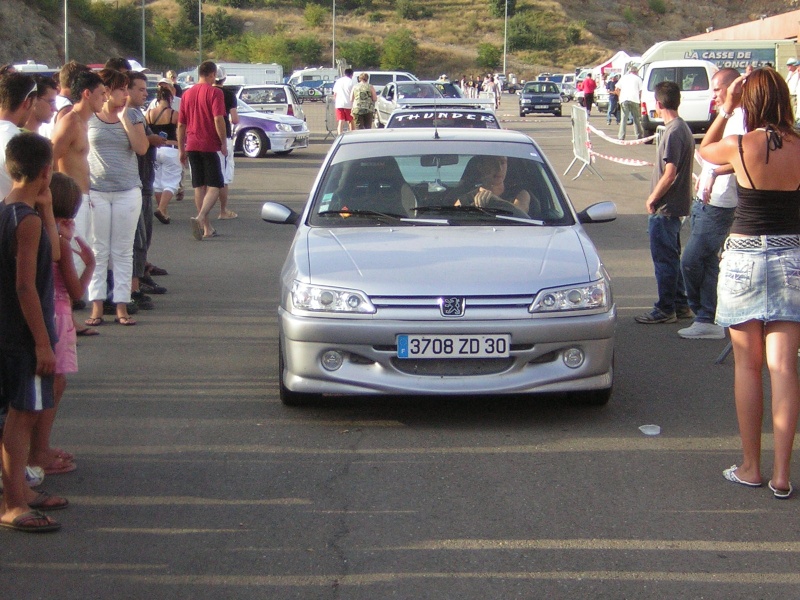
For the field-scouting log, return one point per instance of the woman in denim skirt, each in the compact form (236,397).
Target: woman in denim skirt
(759,282)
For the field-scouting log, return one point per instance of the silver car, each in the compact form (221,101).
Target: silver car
(444,261)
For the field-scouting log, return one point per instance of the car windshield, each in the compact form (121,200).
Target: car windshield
(441,185)
(417,90)
(540,87)
(242,107)
(448,90)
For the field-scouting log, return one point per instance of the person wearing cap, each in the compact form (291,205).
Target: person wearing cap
(629,89)
(793,81)
(176,102)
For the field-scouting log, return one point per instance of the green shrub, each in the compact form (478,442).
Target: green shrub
(376,17)
(497,8)
(308,49)
(361,53)
(315,15)
(399,51)
(628,15)
(658,6)
(489,56)
(412,11)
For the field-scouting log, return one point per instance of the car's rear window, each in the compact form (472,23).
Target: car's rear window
(690,79)
(444,118)
(264,96)
(430,182)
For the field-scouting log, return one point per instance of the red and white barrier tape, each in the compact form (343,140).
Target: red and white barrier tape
(619,142)
(631,162)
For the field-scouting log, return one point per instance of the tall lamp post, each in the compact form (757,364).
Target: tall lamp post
(66,34)
(200,28)
(144,57)
(333,47)
(505,41)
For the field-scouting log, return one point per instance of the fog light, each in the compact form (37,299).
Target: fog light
(573,358)
(332,360)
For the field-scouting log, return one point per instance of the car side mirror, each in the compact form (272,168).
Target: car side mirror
(272,212)
(602,212)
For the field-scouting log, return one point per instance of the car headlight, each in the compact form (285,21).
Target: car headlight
(283,127)
(525,101)
(591,296)
(328,299)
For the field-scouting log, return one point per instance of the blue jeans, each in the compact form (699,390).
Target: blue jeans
(665,249)
(613,108)
(700,258)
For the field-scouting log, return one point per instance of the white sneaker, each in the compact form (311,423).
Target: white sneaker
(703,331)
(34,476)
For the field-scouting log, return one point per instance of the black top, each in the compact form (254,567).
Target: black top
(170,128)
(14,332)
(766,212)
(230,104)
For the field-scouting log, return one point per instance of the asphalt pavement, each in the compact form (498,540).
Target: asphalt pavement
(195,482)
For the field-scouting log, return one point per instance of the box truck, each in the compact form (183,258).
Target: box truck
(737,54)
(243,73)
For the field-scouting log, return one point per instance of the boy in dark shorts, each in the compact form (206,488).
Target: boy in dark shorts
(27,330)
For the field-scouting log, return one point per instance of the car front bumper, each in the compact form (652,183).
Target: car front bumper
(370,364)
(280,141)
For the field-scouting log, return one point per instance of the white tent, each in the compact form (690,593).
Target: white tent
(615,64)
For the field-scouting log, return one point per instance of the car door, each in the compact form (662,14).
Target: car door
(386,102)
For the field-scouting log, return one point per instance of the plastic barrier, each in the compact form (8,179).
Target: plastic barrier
(330,118)
(580,143)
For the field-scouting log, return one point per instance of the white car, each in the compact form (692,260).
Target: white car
(272,98)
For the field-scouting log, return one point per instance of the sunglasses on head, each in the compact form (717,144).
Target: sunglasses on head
(34,90)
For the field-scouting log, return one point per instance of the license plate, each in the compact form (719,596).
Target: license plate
(453,346)
(542,106)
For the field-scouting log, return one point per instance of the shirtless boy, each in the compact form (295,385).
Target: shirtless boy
(71,139)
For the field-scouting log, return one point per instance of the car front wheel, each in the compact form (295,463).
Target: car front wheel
(254,143)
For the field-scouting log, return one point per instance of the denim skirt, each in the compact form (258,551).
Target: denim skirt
(758,283)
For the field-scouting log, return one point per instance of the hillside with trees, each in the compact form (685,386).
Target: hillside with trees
(428,37)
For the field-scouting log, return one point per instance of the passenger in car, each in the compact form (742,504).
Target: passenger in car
(483,184)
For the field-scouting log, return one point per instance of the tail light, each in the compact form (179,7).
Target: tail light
(713,108)
(290,110)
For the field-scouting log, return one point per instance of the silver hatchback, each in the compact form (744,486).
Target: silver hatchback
(442,262)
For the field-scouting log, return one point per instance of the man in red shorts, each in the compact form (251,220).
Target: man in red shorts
(201,134)
(342,98)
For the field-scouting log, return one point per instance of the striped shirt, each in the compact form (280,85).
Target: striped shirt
(112,162)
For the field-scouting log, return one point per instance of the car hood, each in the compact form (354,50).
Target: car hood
(541,96)
(272,117)
(438,259)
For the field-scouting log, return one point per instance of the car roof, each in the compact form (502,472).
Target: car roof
(411,134)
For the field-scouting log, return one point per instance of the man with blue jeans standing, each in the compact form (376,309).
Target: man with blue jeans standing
(711,219)
(669,200)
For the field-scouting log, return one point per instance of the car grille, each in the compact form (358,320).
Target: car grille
(455,367)
(474,304)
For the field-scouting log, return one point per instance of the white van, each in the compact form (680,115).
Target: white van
(378,79)
(697,97)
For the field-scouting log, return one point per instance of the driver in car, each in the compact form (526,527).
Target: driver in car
(484,180)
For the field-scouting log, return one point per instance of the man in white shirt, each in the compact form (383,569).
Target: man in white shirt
(793,81)
(17,98)
(342,98)
(630,94)
(711,219)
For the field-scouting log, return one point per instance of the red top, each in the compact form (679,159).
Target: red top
(199,105)
(589,85)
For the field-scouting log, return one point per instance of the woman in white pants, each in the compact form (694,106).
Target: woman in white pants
(116,136)
(163,120)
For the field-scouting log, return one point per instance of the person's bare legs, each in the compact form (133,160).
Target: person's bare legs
(42,455)
(163,200)
(204,199)
(748,351)
(224,213)
(782,341)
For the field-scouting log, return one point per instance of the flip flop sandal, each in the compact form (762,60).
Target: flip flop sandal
(126,321)
(87,332)
(46,501)
(60,466)
(93,322)
(781,494)
(25,522)
(162,217)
